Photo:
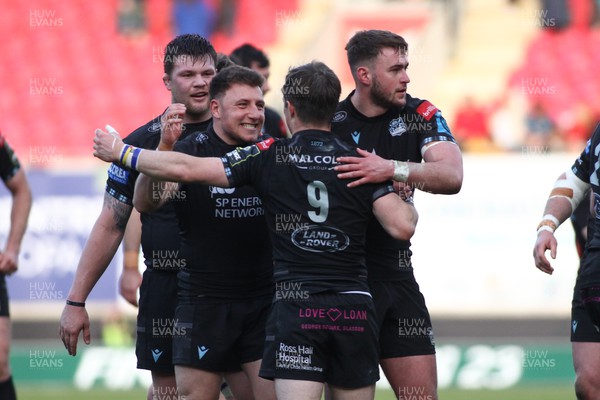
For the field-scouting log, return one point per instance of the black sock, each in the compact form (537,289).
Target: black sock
(7,390)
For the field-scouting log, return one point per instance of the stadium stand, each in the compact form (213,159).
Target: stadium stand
(66,70)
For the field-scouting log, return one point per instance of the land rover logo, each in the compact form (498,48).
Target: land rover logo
(320,239)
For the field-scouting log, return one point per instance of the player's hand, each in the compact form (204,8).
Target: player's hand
(129,283)
(107,145)
(171,125)
(591,302)
(72,321)
(9,262)
(545,241)
(370,168)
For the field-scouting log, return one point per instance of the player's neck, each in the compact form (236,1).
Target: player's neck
(226,138)
(196,119)
(363,104)
(298,126)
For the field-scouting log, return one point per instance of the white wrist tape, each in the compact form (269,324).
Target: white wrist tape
(552,218)
(545,228)
(401,171)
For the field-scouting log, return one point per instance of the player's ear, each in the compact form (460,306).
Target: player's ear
(167,81)
(363,75)
(215,108)
(291,108)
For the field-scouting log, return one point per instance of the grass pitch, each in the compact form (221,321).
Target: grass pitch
(546,393)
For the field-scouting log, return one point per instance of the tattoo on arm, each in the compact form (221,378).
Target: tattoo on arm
(120,211)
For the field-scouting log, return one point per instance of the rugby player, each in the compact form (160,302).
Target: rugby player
(14,179)
(395,132)
(189,66)
(571,190)
(226,287)
(329,335)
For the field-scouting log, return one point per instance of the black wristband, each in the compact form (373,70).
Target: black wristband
(75,303)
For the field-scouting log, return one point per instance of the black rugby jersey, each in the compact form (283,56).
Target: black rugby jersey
(224,236)
(398,134)
(9,164)
(587,168)
(317,224)
(160,232)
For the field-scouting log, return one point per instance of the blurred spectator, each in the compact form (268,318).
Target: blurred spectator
(507,121)
(131,20)
(556,11)
(541,131)
(470,127)
(582,13)
(249,56)
(577,124)
(116,329)
(226,17)
(223,61)
(193,16)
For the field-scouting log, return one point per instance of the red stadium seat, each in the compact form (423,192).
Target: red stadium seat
(63,81)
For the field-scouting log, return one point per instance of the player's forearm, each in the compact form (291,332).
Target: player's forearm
(564,198)
(407,218)
(162,165)
(178,167)
(132,239)
(170,166)
(21,206)
(150,194)
(558,207)
(398,217)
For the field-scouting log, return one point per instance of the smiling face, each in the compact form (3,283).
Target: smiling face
(389,79)
(239,114)
(188,83)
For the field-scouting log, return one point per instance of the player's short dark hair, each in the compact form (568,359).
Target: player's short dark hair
(223,61)
(365,46)
(233,75)
(314,90)
(246,54)
(189,45)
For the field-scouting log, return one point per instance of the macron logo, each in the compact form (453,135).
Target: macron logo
(355,136)
(202,352)
(574,326)
(156,353)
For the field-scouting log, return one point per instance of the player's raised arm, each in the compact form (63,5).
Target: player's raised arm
(159,164)
(151,194)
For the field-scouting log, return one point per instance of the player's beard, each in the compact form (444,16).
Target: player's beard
(379,98)
(197,111)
